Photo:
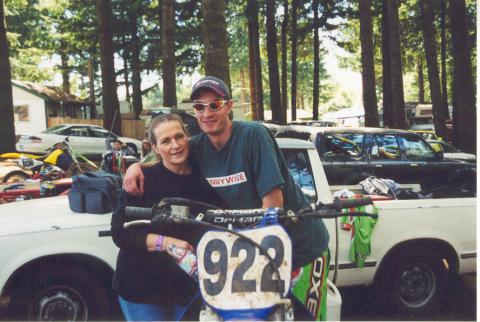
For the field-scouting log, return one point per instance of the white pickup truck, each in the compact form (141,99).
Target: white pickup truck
(55,262)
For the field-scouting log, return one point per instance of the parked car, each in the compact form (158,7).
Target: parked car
(451,152)
(427,134)
(271,126)
(422,123)
(188,119)
(84,138)
(314,123)
(350,155)
(56,264)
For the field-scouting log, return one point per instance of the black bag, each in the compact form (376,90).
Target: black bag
(95,192)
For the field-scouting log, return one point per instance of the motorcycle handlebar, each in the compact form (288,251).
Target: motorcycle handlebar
(351,203)
(138,213)
(244,216)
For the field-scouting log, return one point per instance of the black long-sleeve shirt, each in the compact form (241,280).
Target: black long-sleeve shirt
(154,277)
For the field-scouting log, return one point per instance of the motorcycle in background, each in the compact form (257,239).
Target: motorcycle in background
(52,166)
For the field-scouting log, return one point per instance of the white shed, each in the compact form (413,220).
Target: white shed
(34,103)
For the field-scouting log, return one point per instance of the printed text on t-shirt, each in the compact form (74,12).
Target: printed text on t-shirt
(230,180)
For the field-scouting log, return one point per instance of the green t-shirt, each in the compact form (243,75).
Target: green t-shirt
(248,167)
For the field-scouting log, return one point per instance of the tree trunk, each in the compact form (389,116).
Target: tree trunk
(243,93)
(386,74)
(7,123)
(91,86)
(368,69)
(421,83)
(399,119)
(273,77)
(135,51)
(463,86)
(293,98)
(168,54)
(258,66)
(215,39)
(125,74)
(432,66)
(65,70)
(255,64)
(316,61)
(284,58)
(443,58)
(111,110)
(251,67)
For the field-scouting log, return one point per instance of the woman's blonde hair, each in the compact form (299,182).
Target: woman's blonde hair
(162,119)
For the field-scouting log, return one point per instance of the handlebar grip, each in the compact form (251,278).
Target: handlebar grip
(351,203)
(137,213)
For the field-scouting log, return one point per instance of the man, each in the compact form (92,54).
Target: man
(119,146)
(242,162)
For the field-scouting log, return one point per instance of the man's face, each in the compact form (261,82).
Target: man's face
(117,145)
(212,122)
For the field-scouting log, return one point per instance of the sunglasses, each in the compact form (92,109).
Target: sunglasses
(212,105)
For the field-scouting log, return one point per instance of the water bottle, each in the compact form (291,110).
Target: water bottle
(186,259)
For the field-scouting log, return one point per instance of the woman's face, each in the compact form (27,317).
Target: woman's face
(146,146)
(172,145)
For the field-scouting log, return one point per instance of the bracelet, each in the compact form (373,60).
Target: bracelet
(159,243)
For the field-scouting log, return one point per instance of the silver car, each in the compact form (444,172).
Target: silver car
(84,138)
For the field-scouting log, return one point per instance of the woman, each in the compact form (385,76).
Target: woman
(148,282)
(146,149)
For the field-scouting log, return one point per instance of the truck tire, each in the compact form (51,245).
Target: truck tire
(415,282)
(65,294)
(15,176)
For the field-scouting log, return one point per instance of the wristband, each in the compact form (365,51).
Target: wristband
(159,243)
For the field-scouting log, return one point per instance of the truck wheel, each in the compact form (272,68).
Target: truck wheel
(415,282)
(66,294)
(15,176)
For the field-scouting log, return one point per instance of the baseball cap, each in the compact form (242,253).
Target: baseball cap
(213,83)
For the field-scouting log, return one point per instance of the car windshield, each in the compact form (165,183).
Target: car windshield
(56,129)
(100,133)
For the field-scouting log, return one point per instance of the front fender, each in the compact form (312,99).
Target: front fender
(16,254)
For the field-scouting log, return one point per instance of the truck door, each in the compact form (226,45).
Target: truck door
(343,157)
(386,159)
(420,160)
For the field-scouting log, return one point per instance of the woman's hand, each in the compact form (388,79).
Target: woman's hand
(176,247)
(169,244)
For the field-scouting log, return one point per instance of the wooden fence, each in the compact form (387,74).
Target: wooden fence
(130,128)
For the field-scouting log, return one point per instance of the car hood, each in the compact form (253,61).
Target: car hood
(45,214)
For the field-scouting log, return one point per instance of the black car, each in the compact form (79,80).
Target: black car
(188,119)
(350,155)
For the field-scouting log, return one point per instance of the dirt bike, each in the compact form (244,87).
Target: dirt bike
(244,259)
(43,171)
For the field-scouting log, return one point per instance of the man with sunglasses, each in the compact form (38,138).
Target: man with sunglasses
(244,165)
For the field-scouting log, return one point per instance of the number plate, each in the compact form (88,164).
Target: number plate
(233,275)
